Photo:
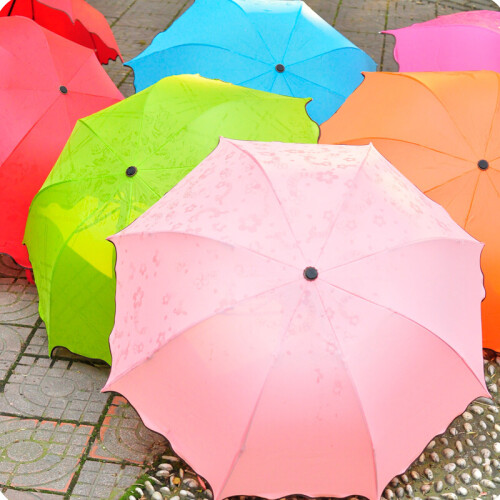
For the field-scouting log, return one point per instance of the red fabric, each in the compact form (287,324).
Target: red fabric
(75,20)
(36,118)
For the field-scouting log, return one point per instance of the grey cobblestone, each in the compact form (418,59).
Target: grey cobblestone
(105,480)
(28,457)
(12,339)
(39,344)
(123,435)
(19,305)
(29,495)
(49,389)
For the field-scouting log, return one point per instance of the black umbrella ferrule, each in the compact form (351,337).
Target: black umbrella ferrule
(131,171)
(310,273)
(483,164)
(279,68)
(63,89)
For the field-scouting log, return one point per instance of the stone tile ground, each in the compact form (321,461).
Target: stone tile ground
(59,436)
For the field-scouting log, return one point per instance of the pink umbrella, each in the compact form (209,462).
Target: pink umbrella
(465,41)
(297,319)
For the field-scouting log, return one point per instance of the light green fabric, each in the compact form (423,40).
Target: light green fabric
(164,131)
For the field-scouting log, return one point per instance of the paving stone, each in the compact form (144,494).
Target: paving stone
(158,15)
(105,480)
(12,340)
(327,10)
(124,436)
(371,43)
(19,304)
(30,495)
(112,8)
(127,88)
(39,344)
(364,17)
(28,459)
(49,389)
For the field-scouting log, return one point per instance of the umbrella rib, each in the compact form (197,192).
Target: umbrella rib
(358,397)
(274,81)
(247,16)
(408,319)
(52,58)
(69,181)
(472,199)
(85,124)
(273,191)
(344,201)
(102,96)
(494,112)
(493,185)
(129,208)
(324,54)
(158,195)
(164,168)
(80,68)
(232,245)
(255,77)
(171,136)
(246,431)
(448,181)
(350,141)
(331,91)
(299,12)
(388,250)
(287,84)
(37,121)
(13,3)
(409,77)
(181,45)
(199,322)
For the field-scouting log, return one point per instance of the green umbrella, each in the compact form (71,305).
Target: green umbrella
(116,164)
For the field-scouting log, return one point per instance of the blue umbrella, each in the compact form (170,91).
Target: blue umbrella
(274,45)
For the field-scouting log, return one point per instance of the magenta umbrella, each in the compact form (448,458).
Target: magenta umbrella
(465,41)
(287,311)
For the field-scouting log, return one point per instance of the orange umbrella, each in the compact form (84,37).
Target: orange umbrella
(441,130)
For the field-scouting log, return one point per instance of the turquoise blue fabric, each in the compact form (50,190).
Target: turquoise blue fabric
(243,41)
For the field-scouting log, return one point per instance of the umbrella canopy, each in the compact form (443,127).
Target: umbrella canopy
(271,45)
(46,84)
(443,133)
(284,297)
(75,20)
(465,41)
(117,163)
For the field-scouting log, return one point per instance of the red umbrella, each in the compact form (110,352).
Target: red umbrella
(75,20)
(46,84)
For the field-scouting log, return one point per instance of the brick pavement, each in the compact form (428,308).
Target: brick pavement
(59,436)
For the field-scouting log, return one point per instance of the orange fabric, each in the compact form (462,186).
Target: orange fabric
(435,127)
